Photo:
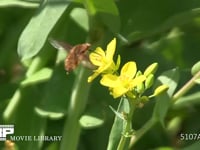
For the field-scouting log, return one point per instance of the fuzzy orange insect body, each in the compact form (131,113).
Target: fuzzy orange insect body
(76,55)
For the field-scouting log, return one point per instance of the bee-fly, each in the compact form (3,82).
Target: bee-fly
(76,54)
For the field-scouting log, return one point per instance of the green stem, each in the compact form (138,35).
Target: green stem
(146,127)
(122,143)
(186,87)
(126,136)
(78,103)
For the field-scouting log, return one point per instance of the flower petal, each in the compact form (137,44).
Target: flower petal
(119,91)
(110,80)
(97,56)
(100,51)
(93,76)
(129,69)
(137,81)
(111,49)
(105,68)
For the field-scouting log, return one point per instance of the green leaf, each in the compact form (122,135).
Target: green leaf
(117,114)
(92,118)
(35,34)
(40,76)
(161,107)
(163,100)
(36,128)
(197,81)
(188,100)
(195,68)
(18,3)
(106,11)
(26,121)
(117,127)
(88,121)
(56,93)
(79,15)
(170,78)
(48,114)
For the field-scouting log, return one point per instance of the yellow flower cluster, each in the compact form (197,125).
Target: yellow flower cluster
(129,81)
(104,60)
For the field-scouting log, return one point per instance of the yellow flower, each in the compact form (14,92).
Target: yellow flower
(104,60)
(125,82)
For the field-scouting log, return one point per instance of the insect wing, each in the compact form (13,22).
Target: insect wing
(60,45)
(76,54)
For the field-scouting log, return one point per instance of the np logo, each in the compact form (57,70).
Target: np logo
(5,130)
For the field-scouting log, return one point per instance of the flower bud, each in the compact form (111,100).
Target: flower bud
(144,99)
(140,88)
(151,69)
(138,73)
(130,95)
(160,89)
(149,81)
